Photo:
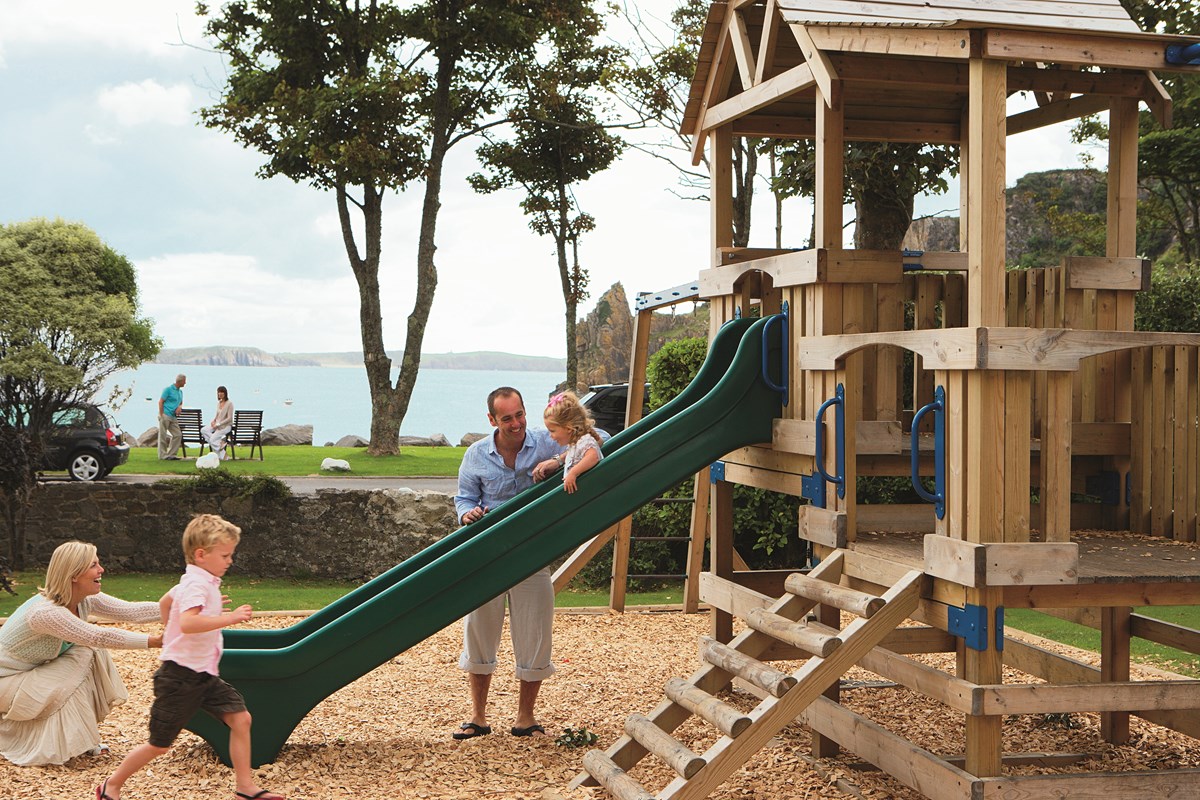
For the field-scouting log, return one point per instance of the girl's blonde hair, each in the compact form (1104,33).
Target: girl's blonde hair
(67,563)
(205,531)
(565,411)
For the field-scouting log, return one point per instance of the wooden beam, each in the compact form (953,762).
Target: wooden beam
(1057,81)
(1061,111)
(1090,785)
(802,267)
(1040,698)
(716,86)
(926,43)
(1102,594)
(767,41)
(1158,100)
(785,84)
(1121,274)
(742,51)
(1081,49)
(857,130)
(985,226)
(822,67)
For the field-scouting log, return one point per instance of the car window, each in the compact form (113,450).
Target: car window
(71,418)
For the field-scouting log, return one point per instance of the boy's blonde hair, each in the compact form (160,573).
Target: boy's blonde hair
(67,563)
(565,411)
(205,531)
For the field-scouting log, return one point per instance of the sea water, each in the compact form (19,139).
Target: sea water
(334,400)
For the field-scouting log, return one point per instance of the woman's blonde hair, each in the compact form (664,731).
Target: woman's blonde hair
(67,563)
(565,411)
(206,530)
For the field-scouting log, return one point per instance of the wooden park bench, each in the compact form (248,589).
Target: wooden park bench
(247,430)
(189,420)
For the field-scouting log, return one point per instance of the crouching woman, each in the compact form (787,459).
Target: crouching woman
(57,680)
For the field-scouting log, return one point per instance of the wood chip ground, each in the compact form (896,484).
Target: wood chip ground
(387,735)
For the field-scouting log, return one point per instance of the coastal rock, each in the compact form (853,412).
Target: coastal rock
(437,440)
(149,438)
(469,439)
(351,441)
(335,464)
(288,435)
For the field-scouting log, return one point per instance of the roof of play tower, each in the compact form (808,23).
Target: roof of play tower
(900,67)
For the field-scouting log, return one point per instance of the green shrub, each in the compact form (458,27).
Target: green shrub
(672,368)
(257,487)
(1173,301)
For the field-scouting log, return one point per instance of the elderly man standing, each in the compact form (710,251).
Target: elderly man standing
(494,470)
(168,425)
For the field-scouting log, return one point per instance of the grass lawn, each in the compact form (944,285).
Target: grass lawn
(284,594)
(302,460)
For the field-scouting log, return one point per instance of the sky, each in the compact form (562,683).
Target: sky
(99,123)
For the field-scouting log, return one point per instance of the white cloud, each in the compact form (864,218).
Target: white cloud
(147,102)
(154,27)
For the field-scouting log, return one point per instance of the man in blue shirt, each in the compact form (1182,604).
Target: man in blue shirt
(169,435)
(494,470)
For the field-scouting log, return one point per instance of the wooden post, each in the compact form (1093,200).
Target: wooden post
(1122,241)
(699,535)
(1114,666)
(721,552)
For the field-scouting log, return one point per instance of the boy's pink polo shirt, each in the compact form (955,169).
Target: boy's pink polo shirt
(200,652)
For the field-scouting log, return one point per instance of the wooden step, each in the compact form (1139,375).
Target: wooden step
(833,594)
(613,778)
(724,717)
(673,753)
(819,644)
(767,678)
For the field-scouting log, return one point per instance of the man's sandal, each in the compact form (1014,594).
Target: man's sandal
(530,731)
(265,794)
(469,730)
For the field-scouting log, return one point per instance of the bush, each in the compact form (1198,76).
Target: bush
(256,487)
(1173,301)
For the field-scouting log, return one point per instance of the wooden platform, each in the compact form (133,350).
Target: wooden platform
(1104,556)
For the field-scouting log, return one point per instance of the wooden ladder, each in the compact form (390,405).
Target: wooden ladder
(786,696)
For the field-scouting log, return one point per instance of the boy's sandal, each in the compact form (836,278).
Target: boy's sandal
(469,730)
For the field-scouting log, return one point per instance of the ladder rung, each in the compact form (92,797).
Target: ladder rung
(662,744)
(832,594)
(821,645)
(767,678)
(724,717)
(613,778)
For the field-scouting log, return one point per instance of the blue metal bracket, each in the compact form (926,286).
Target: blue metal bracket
(938,498)
(716,472)
(839,427)
(912,254)
(1188,54)
(780,319)
(970,623)
(812,487)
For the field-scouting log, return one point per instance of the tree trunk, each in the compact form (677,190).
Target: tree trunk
(882,222)
(745,167)
(562,232)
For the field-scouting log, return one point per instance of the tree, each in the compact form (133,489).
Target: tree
(1169,158)
(558,140)
(68,320)
(360,97)
(654,80)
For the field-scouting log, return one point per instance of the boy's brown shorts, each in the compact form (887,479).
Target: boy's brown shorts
(179,693)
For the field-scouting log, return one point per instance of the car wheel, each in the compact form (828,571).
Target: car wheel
(85,466)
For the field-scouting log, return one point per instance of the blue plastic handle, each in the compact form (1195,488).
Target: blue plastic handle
(938,498)
(780,319)
(839,400)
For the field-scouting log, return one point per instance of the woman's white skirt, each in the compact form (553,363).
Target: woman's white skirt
(50,713)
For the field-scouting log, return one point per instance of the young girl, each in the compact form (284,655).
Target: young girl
(570,425)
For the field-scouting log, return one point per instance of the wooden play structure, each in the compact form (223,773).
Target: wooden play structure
(1059,449)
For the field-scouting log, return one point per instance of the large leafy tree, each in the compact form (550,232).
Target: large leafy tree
(360,98)
(558,140)
(68,320)
(1169,158)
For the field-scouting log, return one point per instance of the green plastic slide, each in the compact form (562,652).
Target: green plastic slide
(284,674)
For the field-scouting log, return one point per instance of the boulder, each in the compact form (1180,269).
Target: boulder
(469,439)
(149,438)
(437,440)
(288,435)
(351,441)
(335,464)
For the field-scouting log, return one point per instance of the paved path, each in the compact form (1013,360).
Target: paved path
(311,483)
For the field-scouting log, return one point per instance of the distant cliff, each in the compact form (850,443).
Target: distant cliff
(253,357)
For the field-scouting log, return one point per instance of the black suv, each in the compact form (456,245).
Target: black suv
(84,443)
(607,404)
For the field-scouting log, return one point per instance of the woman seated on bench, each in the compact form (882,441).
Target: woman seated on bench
(215,432)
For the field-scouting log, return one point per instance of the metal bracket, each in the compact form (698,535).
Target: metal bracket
(812,487)
(971,624)
(716,472)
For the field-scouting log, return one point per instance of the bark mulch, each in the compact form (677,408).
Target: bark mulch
(387,735)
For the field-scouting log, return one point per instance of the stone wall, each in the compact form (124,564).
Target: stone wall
(337,534)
